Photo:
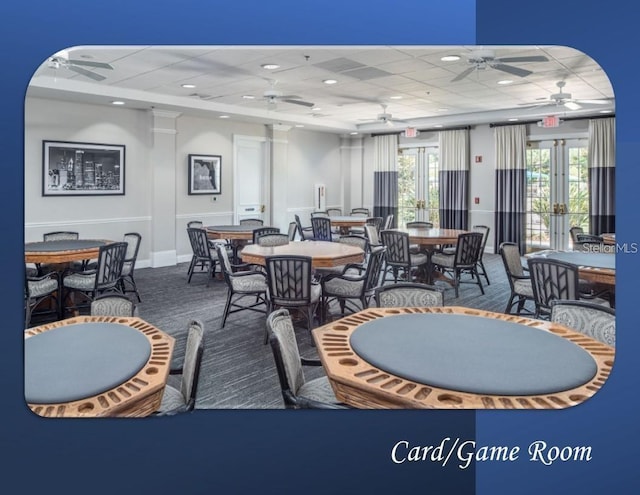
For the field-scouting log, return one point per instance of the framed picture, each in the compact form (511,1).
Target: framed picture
(204,174)
(82,169)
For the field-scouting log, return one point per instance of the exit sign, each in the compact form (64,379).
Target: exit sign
(551,121)
(410,132)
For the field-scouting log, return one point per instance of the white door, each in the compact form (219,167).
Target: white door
(251,179)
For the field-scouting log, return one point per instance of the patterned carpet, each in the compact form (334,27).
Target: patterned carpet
(238,370)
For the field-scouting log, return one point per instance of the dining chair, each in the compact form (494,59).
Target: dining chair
(127,282)
(305,232)
(372,235)
(39,289)
(242,283)
(291,285)
(377,222)
(334,212)
(103,279)
(399,260)
(419,225)
(464,260)
(319,214)
(360,211)
(388,222)
(181,397)
(321,229)
(517,276)
(275,239)
(113,305)
(355,283)
(62,235)
(594,320)
(297,391)
(257,233)
(484,230)
(198,224)
(409,295)
(204,256)
(552,279)
(251,221)
(293,229)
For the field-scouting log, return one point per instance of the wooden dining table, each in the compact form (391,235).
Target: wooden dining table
(323,254)
(237,235)
(63,251)
(346,222)
(96,366)
(595,267)
(459,358)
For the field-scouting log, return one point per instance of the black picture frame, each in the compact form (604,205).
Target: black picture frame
(205,173)
(82,169)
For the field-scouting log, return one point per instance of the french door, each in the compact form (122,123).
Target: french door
(418,185)
(557,192)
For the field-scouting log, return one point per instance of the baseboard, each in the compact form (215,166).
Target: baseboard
(163,258)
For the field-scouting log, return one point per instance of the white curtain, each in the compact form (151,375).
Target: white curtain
(454,179)
(511,171)
(602,162)
(385,176)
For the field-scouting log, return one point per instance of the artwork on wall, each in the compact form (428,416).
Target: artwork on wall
(82,169)
(204,174)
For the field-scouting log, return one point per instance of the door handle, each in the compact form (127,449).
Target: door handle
(262,208)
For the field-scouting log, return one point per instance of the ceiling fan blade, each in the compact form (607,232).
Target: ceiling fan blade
(593,102)
(89,63)
(85,72)
(572,105)
(463,74)
(533,58)
(299,102)
(510,69)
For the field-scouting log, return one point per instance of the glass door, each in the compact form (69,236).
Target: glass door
(418,185)
(557,192)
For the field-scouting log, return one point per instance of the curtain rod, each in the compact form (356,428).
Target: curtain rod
(456,128)
(526,122)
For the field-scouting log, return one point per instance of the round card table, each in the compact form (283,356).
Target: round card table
(595,267)
(96,366)
(324,254)
(344,223)
(609,239)
(63,251)
(459,358)
(238,235)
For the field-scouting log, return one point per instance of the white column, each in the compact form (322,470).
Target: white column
(278,155)
(163,179)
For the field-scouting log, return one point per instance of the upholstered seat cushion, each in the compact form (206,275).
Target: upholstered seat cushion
(249,283)
(596,324)
(316,291)
(409,298)
(523,287)
(39,288)
(319,390)
(80,281)
(443,259)
(418,259)
(343,287)
(172,401)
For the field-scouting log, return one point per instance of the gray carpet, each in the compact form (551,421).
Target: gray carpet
(238,370)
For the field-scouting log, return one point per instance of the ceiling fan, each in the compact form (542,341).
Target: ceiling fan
(562,99)
(61,59)
(483,59)
(385,118)
(273,96)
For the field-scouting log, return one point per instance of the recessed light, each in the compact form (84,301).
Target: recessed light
(188,86)
(450,58)
(248,97)
(505,81)
(513,119)
(354,133)
(437,125)
(270,66)
(443,109)
(396,97)
(299,125)
(223,116)
(605,111)
(117,102)
(316,109)
(329,81)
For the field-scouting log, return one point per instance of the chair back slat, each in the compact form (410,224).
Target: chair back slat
(109,269)
(289,279)
(321,228)
(551,280)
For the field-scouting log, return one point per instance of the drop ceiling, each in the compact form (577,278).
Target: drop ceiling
(412,84)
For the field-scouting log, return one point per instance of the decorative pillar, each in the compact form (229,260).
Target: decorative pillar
(162,158)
